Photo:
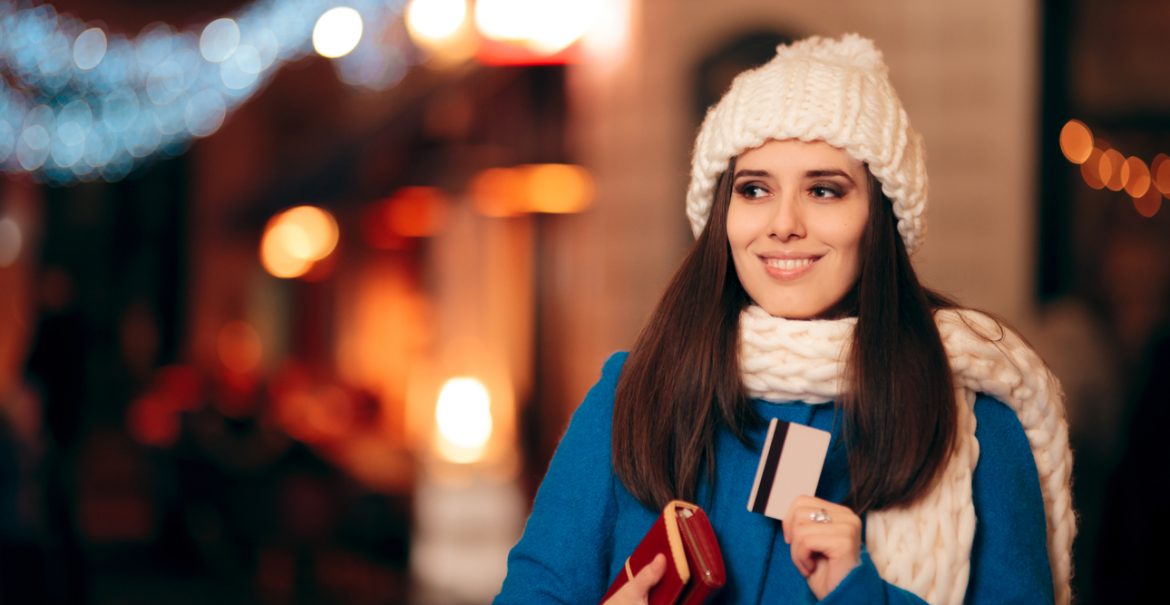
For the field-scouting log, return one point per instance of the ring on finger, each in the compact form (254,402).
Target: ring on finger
(820,515)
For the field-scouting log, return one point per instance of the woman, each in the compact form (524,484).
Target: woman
(947,478)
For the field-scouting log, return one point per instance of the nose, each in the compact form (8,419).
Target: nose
(787,219)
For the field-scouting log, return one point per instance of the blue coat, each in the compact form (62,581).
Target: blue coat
(584,523)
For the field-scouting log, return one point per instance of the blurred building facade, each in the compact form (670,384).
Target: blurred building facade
(166,393)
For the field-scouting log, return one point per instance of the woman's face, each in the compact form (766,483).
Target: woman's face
(794,225)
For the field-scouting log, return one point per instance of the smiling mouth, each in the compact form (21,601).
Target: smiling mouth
(789,264)
(789,268)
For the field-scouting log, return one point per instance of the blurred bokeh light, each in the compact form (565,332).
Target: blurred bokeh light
(297,238)
(463,418)
(1076,141)
(337,32)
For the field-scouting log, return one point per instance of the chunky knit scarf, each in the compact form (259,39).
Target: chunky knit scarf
(926,547)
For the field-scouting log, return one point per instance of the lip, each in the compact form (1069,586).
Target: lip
(788,266)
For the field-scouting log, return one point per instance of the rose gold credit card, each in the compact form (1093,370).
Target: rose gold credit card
(790,466)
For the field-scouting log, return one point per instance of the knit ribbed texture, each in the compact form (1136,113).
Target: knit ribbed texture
(818,89)
(926,547)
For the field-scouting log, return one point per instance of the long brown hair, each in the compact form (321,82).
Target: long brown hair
(681,381)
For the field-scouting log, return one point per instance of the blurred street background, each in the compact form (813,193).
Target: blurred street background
(297,296)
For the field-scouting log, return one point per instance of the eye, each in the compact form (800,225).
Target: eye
(825,191)
(751,190)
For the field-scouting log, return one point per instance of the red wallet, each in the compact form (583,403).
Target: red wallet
(694,563)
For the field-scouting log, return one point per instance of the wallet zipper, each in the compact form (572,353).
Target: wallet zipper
(699,550)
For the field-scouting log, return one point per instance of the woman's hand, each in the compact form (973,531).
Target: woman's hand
(825,540)
(637,590)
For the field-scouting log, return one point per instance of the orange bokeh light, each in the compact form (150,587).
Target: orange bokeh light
(375,232)
(1091,170)
(1076,141)
(240,348)
(543,188)
(275,255)
(516,32)
(1138,182)
(416,211)
(319,230)
(407,214)
(1160,173)
(498,192)
(295,239)
(1149,204)
(558,188)
(495,52)
(1113,170)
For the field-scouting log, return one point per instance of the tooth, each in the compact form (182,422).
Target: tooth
(789,264)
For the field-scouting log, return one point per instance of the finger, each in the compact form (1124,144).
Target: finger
(812,549)
(803,558)
(800,507)
(799,511)
(805,555)
(838,515)
(792,514)
(798,516)
(649,576)
(812,503)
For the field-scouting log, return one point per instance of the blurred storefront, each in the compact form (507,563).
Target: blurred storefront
(293,316)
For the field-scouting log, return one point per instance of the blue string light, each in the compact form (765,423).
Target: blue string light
(78,103)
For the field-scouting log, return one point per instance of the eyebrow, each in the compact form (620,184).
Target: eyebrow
(828,172)
(825,172)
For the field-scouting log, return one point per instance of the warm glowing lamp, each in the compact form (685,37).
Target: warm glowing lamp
(1091,170)
(1160,172)
(543,188)
(416,212)
(558,188)
(503,19)
(337,32)
(1112,168)
(433,21)
(1076,141)
(498,192)
(531,31)
(1149,204)
(275,255)
(296,239)
(442,28)
(607,40)
(463,417)
(316,230)
(1138,182)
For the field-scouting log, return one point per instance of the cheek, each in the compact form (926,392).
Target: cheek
(854,255)
(740,229)
(849,237)
(849,231)
(747,220)
(846,239)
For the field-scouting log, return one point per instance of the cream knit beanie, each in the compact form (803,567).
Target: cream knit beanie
(837,91)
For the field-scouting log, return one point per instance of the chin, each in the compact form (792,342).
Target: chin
(842,307)
(791,312)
